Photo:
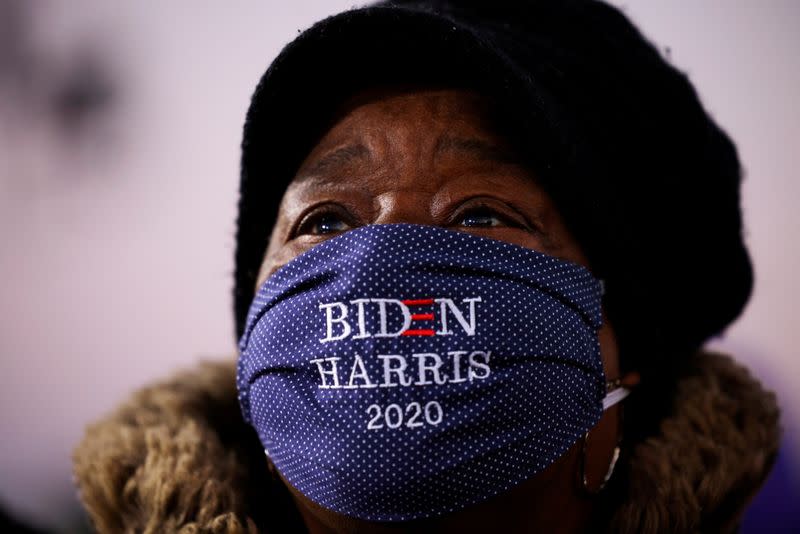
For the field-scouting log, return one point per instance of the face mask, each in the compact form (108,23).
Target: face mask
(398,371)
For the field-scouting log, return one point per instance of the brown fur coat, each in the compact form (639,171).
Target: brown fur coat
(177,457)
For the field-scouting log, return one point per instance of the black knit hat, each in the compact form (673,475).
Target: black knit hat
(645,180)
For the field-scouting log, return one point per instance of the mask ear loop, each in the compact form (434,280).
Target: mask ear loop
(615,393)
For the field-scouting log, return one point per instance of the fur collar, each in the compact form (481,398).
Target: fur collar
(178,457)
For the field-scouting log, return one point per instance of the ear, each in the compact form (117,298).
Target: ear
(630,379)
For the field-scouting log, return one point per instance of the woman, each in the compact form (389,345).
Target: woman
(466,235)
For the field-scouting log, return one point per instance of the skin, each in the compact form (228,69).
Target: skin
(434,156)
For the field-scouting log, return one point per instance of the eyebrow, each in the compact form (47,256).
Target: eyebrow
(340,157)
(477,147)
(350,154)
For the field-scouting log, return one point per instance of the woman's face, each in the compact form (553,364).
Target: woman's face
(425,157)
(432,157)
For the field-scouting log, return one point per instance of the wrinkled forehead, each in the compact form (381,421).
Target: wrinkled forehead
(442,120)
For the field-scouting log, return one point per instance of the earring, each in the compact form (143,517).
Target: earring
(611,387)
(611,466)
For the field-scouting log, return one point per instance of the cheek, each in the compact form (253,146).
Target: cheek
(278,252)
(275,258)
(608,349)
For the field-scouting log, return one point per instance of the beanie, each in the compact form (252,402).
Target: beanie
(643,177)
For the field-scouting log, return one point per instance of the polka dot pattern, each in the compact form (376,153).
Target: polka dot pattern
(352,404)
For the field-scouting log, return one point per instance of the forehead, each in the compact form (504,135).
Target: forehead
(402,107)
(390,98)
(381,124)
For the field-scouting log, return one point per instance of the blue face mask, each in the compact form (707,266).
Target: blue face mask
(398,371)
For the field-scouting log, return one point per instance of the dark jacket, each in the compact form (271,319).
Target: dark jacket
(177,457)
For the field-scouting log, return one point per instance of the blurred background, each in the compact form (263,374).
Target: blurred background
(120,126)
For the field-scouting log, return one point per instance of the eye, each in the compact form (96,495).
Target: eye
(322,223)
(481,217)
(485,216)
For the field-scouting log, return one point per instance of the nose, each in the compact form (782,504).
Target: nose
(404,206)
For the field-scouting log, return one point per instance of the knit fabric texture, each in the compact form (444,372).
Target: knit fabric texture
(644,178)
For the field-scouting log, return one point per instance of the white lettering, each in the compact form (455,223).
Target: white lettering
(434,369)
(456,355)
(359,371)
(382,315)
(474,364)
(362,325)
(439,413)
(337,325)
(333,372)
(429,369)
(388,370)
(468,326)
(394,416)
(330,319)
